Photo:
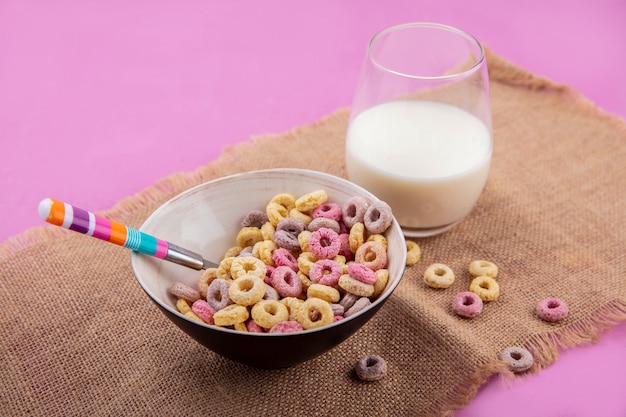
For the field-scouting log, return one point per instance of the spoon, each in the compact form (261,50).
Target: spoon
(67,216)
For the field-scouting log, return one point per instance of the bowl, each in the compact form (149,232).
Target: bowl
(206,220)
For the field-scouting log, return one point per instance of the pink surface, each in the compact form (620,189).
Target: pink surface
(98,100)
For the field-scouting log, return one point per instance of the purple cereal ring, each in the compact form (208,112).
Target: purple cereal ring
(353,211)
(217,294)
(324,243)
(344,247)
(518,358)
(253,327)
(338,309)
(291,225)
(286,281)
(552,310)
(328,211)
(286,327)
(371,368)
(282,257)
(378,217)
(371,254)
(360,304)
(348,300)
(182,290)
(254,218)
(203,310)
(286,240)
(270,293)
(362,273)
(326,272)
(467,304)
(320,222)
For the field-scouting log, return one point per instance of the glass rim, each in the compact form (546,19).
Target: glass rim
(479,61)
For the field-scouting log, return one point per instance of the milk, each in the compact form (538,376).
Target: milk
(428,160)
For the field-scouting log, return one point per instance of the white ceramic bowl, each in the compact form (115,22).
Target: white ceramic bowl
(206,220)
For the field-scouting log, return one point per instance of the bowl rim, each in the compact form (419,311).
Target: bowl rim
(136,257)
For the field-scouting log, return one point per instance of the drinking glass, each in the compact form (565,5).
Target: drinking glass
(420,134)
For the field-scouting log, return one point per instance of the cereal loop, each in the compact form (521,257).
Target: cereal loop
(328,211)
(518,359)
(286,240)
(378,217)
(247,290)
(439,276)
(362,273)
(203,310)
(552,310)
(309,320)
(306,261)
(275,213)
(467,304)
(264,250)
(270,293)
(324,243)
(286,200)
(480,268)
(207,276)
(268,230)
(370,368)
(248,236)
(356,287)
(359,305)
(282,257)
(303,239)
(247,265)
(311,200)
(378,238)
(382,277)
(231,315)
(326,272)
(286,281)
(356,236)
(353,211)
(371,254)
(485,287)
(324,292)
(293,305)
(292,226)
(232,251)
(253,327)
(182,290)
(413,253)
(267,313)
(286,327)
(303,217)
(344,247)
(218,295)
(306,281)
(320,222)
(223,269)
(254,218)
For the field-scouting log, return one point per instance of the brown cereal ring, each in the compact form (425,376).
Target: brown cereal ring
(359,305)
(485,287)
(439,276)
(324,292)
(248,236)
(382,277)
(353,211)
(182,290)
(303,217)
(247,265)
(308,309)
(247,290)
(223,269)
(267,313)
(356,287)
(519,359)
(309,201)
(207,276)
(378,217)
(320,222)
(371,254)
(276,213)
(480,268)
(371,368)
(356,236)
(255,218)
(413,253)
(231,315)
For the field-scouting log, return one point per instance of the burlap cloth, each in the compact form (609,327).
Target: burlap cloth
(80,337)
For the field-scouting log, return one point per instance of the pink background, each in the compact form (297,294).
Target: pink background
(98,100)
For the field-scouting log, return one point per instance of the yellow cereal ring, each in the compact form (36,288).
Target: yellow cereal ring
(439,276)
(234,251)
(247,265)
(303,240)
(275,213)
(306,281)
(231,315)
(483,268)
(293,305)
(413,253)
(286,200)
(341,260)
(223,269)
(263,250)
(485,287)
(315,313)
(241,327)
(378,238)
(357,236)
(183,307)
(267,313)
(356,287)
(324,292)
(207,276)
(311,200)
(268,230)
(248,236)
(382,277)
(303,217)
(306,261)
(247,290)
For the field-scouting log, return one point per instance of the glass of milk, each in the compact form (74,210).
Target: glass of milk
(420,134)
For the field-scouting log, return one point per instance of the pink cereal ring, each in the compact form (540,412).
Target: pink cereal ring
(328,210)
(344,247)
(467,304)
(268,274)
(371,254)
(378,217)
(326,272)
(337,318)
(286,327)
(253,327)
(552,310)
(324,243)
(362,273)
(282,257)
(353,211)
(181,290)
(286,281)
(203,310)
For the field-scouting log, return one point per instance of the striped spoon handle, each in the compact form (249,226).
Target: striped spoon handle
(69,217)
